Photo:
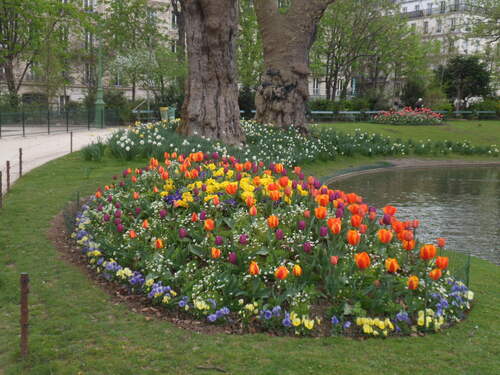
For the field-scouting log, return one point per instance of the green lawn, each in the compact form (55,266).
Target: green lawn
(478,132)
(77,328)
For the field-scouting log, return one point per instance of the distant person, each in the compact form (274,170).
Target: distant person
(419,104)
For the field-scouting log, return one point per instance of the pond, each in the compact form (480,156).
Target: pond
(461,204)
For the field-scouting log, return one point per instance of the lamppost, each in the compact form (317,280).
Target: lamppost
(99,102)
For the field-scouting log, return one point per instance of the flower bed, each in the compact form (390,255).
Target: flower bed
(262,247)
(289,147)
(409,116)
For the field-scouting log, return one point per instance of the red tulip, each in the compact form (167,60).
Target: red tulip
(442,262)
(412,282)
(362,260)
(441,242)
(427,252)
(435,274)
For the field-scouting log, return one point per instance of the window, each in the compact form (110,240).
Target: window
(453,24)
(173,47)
(117,81)
(88,5)
(283,3)
(443,7)
(89,41)
(63,101)
(439,26)
(2,73)
(405,9)
(88,74)
(456,6)
(32,73)
(426,27)
(417,8)
(316,87)
(429,9)
(174,20)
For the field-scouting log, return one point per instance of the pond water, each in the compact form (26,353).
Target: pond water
(461,204)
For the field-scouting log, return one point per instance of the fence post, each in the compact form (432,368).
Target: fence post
(24,314)
(88,119)
(467,272)
(22,120)
(48,121)
(71,142)
(78,201)
(0,124)
(20,162)
(8,175)
(1,190)
(67,121)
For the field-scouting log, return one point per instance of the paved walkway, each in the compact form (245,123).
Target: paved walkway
(39,149)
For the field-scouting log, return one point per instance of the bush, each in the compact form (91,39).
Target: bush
(489,104)
(320,105)
(94,151)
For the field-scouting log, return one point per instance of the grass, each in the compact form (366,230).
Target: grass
(76,328)
(478,132)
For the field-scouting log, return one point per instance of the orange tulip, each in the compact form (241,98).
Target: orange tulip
(98,194)
(435,274)
(256,180)
(279,168)
(391,265)
(231,189)
(297,170)
(254,268)
(275,195)
(165,175)
(409,245)
(159,244)
(145,224)
(209,224)
(412,282)
(442,262)
(297,270)
(384,235)
(353,237)
(272,186)
(272,221)
(250,201)
(427,252)
(135,195)
(248,165)
(215,200)
(356,221)
(216,253)
(415,223)
(398,226)
(281,273)
(335,225)
(441,242)
(390,210)
(323,199)
(320,212)
(407,235)
(362,260)
(134,179)
(307,214)
(194,217)
(283,181)
(353,198)
(353,208)
(132,234)
(252,211)
(334,259)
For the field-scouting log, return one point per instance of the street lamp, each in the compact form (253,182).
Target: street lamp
(99,102)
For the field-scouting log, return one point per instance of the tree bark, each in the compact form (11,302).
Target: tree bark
(210,108)
(180,43)
(287,37)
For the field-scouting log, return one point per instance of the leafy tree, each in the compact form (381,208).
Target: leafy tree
(412,91)
(463,77)
(250,53)
(486,20)
(27,28)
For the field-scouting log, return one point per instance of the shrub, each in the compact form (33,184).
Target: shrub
(94,151)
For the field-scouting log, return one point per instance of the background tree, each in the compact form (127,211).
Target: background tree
(486,20)
(463,77)
(210,107)
(287,34)
(179,22)
(26,28)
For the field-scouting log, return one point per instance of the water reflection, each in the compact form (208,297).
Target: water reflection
(460,204)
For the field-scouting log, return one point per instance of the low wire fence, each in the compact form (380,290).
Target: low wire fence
(47,121)
(358,116)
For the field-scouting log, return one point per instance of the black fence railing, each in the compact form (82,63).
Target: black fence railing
(48,121)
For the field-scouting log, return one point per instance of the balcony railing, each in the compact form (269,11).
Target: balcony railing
(450,8)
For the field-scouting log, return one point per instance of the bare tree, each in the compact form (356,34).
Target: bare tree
(210,108)
(287,35)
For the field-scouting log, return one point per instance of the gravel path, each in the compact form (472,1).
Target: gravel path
(39,149)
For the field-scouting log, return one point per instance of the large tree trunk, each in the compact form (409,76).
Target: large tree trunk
(281,98)
(10,79)
(180,43)
(210,108)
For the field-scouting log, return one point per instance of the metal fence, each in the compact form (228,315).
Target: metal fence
(357,116)
(46,121)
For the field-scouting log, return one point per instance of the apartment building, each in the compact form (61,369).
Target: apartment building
(81,76)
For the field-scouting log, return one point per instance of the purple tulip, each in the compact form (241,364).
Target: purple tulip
(204,187)
(115,177)
(301,225)
(118,213)
(163,213)
(255,168)
(120,228)
(307,247)
(196,191)
(324,190)
(372,209)
(339,212)
(323,231)
(118,205)
(219,240)
(125,173)
(243,239)
(122,183)
(284,172)
(317,184)
(110,198)
(117,221)
(106,217)
(279,234)
(203,215)
(294,184)
(137,211)
(182,232)
(301,176)
(238,176)
(386,219)
(232,258)
(215,155)
(100,208)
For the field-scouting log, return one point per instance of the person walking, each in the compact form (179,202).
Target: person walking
(419,104)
